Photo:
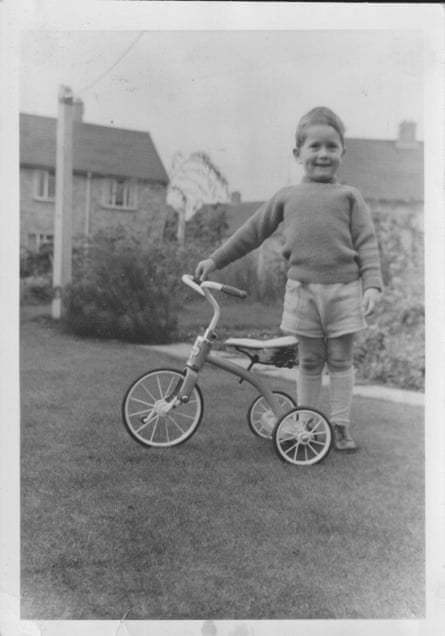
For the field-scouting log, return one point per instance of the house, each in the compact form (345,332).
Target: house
(118,178)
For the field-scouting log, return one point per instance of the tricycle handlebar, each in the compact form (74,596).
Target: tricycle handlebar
(198,286)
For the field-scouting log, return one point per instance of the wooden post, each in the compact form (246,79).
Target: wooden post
(180,235)
(63,208)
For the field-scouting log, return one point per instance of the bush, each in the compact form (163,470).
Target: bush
(126,289)
(36,290)
(206,228)
(393,350)
(267,287)
(36,262)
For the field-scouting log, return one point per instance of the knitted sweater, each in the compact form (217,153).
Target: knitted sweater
(328,234)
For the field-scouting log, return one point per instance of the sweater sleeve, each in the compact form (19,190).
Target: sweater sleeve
(365,242)
(252,233)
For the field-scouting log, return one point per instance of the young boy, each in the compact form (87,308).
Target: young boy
(333,268)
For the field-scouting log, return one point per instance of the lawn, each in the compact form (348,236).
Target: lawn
(238,318)
(218,527)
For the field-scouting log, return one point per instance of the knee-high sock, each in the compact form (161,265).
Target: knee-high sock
(308,389)
(341,386)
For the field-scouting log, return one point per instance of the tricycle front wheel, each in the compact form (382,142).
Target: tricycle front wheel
(152,414)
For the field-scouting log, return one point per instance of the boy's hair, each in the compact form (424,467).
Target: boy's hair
(319,116)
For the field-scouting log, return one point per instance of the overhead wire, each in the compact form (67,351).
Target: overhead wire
(108,70)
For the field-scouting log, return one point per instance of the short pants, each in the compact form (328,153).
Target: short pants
(322,311)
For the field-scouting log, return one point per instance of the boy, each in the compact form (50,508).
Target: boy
(333,268)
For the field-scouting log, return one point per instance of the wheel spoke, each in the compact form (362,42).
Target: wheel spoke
(176,424)
(186,415)
(167,393)
(166,431)
(297,448)
(154,429)
(148,392)
(147,422)
(138,412)
(134,399)
(316,426)
(314,450)
(316,441)
(293,446)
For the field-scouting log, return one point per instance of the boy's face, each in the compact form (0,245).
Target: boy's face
(321,152)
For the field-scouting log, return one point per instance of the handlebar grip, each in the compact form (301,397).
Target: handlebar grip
(233,291)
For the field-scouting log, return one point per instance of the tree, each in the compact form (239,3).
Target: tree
(195,181)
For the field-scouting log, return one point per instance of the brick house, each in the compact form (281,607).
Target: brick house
(118,178)
(389,174)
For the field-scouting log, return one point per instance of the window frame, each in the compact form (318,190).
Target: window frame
(46,175)
(41,239)
(110,193)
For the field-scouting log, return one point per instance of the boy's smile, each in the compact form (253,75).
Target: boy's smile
(321,152)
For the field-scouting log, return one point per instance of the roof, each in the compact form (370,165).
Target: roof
(97,149)
(384,170)
(238,213)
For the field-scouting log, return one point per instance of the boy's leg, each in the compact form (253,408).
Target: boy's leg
(341,385)
(312,358)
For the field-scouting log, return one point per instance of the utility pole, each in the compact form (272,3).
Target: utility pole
(63,208)
(180,233)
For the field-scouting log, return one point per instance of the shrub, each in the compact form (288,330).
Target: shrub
(36,290)
(126,289)
(206,228)
(36,262)
(267,287)
(393,350)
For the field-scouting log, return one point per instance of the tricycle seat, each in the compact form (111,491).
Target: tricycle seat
(272,343)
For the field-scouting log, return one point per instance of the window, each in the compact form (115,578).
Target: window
(37,240)
(45,185)
(120,193)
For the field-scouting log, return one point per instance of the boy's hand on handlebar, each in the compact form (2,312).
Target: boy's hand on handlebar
(204,268)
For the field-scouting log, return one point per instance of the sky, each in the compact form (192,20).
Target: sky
(234,94)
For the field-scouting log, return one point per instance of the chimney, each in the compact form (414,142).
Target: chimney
(407,135)
(235,198)
(78,109)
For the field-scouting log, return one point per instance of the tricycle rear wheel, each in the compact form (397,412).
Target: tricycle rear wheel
(262,419)
(303,436)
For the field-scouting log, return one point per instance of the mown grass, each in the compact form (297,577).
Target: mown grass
(218,527)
